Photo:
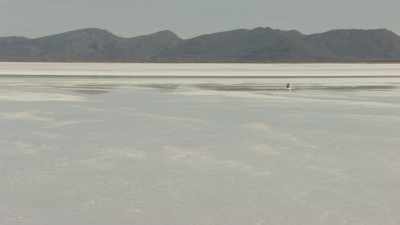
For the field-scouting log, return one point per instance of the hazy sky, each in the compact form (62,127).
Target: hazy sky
(187,18)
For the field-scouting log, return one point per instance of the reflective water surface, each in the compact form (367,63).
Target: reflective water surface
(201,151)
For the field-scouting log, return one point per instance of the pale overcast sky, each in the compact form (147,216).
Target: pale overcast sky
(187,18)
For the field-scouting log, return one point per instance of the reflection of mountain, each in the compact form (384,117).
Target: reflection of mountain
(89,89)
(260,87)
(260,44)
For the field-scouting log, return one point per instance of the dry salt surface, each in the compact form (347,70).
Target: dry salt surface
(105,144)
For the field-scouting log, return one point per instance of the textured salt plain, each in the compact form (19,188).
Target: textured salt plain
(202,151)
(229,70)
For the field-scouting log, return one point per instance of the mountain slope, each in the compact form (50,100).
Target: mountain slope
(358,44)
(256,44)
(148,46)
(86,45)
(260,44)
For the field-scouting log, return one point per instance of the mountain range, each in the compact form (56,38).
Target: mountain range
(243,45)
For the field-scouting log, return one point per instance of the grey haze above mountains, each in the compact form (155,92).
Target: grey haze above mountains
(259,44)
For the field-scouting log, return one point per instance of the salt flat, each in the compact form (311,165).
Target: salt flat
(206,151)
(188,70)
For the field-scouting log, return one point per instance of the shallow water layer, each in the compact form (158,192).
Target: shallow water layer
(199,151)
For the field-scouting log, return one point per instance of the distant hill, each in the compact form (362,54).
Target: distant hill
(258,45)
(87,45)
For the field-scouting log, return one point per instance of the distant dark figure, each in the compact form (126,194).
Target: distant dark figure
(288,86)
